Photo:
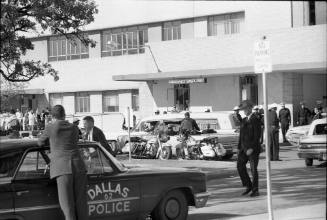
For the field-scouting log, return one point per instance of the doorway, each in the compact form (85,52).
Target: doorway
(249,88)
(182,96)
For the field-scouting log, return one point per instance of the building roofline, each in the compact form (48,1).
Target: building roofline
(293,67)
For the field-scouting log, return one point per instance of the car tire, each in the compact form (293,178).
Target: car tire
(165,153)
(172,207)
(308,162)
(227,156)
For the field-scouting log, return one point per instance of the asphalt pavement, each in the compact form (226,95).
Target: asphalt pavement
(299,192)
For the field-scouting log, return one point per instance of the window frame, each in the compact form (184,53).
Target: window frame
(107,94)
(78,96)
(127,40)
(231,23)
(169,29)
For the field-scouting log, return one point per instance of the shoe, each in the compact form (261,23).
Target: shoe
(254,194)
(246,191)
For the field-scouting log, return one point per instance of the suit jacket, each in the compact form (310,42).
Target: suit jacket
(284,116)
(250,134)
(189,124)
(98,136)
(273,119)
(65,155)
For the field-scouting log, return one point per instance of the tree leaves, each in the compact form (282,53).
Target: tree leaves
(60,17)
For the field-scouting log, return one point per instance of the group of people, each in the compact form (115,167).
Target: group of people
(15,121)
(251,136)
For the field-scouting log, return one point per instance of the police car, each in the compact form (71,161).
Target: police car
(114,191)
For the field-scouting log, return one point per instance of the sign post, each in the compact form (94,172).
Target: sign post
(129,133)
(262,64)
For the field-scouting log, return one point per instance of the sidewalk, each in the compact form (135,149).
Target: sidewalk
(309,212)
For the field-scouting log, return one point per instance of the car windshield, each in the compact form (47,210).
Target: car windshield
(9,163)
(320,129)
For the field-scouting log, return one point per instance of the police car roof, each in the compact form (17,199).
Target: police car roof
(21,144)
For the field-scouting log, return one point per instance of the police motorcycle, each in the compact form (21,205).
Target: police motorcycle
(188,148)
(155,147)
(196,147)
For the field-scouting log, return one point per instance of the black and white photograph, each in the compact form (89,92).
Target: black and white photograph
(163,110)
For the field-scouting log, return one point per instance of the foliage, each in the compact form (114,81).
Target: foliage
(22,17)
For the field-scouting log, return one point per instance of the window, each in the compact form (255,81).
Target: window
(60,48)
(82,102)
(95,161)
(320,129)
(110,101)
(203,123)
(55,99)
(124,41)
(35,165)
(9,163)
(225,24)
(171,31)
(135,100)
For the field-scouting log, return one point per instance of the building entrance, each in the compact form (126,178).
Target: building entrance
(249,88)
(182,96)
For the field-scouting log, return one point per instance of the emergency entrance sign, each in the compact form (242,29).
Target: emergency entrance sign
(262,59)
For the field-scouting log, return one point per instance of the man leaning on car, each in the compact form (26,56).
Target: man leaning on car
(66,165)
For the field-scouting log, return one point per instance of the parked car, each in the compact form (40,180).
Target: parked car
(222,123)
(313,145)
(293,135)
(114,191)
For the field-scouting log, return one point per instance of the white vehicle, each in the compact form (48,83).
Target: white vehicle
(220,122)
(313,144)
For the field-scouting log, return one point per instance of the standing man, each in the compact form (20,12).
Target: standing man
(284,119)
(249,149)
(236,116)
(66,165)
(93,133)
(303,115)
(273,130)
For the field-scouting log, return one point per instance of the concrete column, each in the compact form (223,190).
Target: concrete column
(96,102)
(69,103)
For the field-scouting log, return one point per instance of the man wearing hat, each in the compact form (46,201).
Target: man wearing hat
(249,149)
(273,131)
(303,115)
(284,119)
(236,116)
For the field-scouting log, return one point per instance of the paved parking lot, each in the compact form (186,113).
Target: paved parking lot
(294,187)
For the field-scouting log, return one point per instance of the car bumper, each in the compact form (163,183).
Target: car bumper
(201,199)
(314,154)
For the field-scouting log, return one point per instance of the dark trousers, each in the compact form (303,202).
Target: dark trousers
(284,127)
(242,160)
(274,144)
(72,196)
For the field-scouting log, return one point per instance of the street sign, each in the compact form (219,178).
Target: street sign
(262,59)
(187,81)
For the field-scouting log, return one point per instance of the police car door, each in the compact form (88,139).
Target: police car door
(110,195)
(35,194)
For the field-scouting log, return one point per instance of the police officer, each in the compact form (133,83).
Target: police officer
(303,115)
(66,165)
(273,130)
(284,119)
(189,124)
(249,149)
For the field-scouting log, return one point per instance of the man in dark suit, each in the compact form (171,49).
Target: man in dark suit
(249,149)
(93,133)
(273,130)
(66,165)
(303,115)
(284,119)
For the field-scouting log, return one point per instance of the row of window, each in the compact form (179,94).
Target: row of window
(110,101)
(123,41)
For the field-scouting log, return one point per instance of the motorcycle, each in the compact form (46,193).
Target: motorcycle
(188,148)
(212,149)
(154,148)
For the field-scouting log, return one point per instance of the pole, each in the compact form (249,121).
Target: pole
(129,135)
(265,107)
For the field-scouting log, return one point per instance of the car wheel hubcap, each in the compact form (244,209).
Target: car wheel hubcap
(172,209)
